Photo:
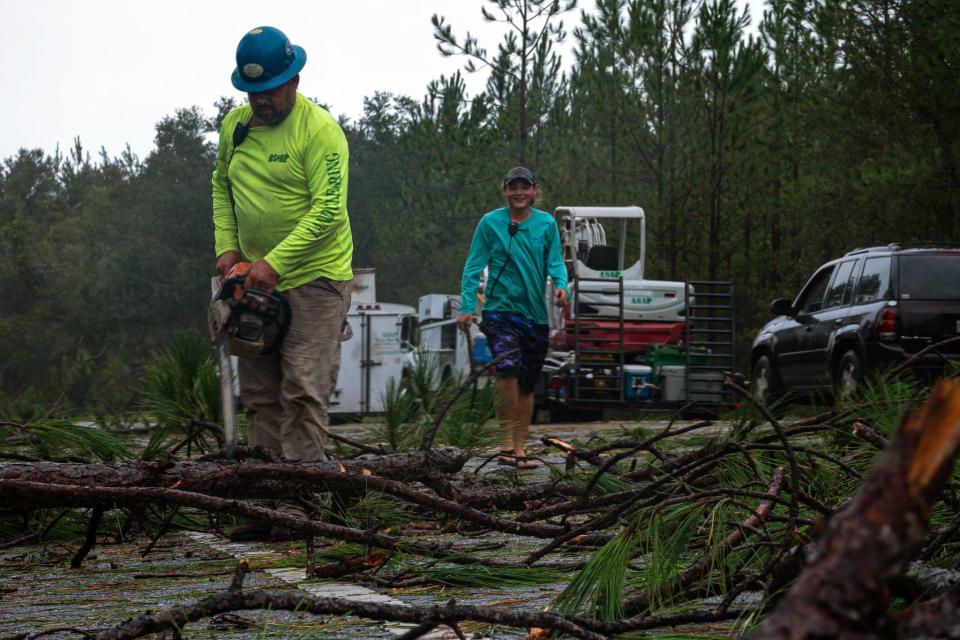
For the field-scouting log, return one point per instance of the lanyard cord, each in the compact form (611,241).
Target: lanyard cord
(500,273)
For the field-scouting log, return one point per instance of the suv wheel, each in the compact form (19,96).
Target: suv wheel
(849,375)
(764,380)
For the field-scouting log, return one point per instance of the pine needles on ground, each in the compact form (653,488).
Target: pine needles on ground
(59,439)
(598,589)
(378,510)
(607,483)
(483,576)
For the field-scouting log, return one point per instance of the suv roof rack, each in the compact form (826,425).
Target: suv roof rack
(888,247)
(926,245)
(900,246)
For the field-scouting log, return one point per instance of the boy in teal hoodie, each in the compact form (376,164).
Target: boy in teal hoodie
(521,246)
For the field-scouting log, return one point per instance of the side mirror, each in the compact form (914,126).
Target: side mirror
(782,307)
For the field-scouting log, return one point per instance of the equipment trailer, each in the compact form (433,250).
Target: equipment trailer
(628,342)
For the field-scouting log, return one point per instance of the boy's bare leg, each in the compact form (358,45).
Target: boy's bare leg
(524,414)
(507,410)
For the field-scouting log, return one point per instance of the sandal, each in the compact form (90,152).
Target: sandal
(509,458)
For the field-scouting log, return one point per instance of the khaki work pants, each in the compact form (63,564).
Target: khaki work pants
(286,395)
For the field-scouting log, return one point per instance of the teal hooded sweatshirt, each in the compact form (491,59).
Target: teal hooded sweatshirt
(534,254)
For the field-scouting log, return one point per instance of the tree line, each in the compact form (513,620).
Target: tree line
(758,150)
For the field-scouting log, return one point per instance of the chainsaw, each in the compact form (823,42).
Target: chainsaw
(246,323)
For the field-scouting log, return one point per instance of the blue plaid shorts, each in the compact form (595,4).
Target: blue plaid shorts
(509,331)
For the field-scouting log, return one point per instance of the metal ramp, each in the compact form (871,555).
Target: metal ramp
(710,326)
(598,372)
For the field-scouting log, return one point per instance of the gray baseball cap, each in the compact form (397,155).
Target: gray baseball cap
(519,173)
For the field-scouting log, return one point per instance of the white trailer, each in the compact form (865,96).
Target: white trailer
(375,353)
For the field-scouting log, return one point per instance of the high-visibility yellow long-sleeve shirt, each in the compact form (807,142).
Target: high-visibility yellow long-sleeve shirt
(289,184)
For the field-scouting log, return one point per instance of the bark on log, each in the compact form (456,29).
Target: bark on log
(39,493)
(235,480)
(347,566)
(844,591)
(483,495)
(282,480)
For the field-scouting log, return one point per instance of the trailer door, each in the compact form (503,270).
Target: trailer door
(383,359)
(348,394)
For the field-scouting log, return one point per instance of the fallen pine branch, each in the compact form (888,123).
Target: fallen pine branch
(685,580)
(234,599)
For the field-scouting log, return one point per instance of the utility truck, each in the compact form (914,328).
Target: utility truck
(440,337)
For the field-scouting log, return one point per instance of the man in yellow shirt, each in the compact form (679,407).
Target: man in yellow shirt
(280,202)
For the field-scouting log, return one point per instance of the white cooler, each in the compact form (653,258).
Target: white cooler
(673,381)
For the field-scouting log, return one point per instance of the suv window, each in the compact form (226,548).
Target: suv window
(839,294)
(811,300)
(930,276)
(875,281)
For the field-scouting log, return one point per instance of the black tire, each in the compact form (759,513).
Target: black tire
(560,413)
(849,375)
(766,385)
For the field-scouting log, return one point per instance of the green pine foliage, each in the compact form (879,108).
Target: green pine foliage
(470,424)
(378,510)
(597,591)
(399,408)
(181,388)
(410,407)
(486,577)
(63,439)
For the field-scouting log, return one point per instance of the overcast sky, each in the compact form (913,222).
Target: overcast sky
(108,70)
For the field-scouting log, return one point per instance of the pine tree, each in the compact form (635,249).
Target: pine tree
(531,22)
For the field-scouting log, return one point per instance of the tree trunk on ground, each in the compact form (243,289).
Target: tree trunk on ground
(236,480)
(844,591)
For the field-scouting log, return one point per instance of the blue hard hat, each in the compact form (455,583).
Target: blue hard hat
(266,60)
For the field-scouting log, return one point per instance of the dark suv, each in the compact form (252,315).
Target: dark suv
(872,308)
